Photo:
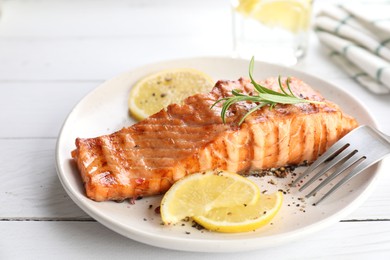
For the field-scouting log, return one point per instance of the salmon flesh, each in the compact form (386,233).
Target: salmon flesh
(148,157)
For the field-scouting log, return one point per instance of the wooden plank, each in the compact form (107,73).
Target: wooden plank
(106,18)
(376,207)
(77,240)
(92,59)
(38,109)
(102,58)
(33,190)
(30,187)
(111,38)
(96,59)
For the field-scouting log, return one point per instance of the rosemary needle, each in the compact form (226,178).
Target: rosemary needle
(263,97)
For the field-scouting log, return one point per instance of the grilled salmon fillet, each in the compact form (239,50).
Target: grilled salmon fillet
(148,157)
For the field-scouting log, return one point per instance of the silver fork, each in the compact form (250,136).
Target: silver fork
(355,152)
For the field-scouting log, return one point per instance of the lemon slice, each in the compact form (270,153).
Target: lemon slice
(156,91)
(293,15)
(242,218)
(199,193)
(246,6)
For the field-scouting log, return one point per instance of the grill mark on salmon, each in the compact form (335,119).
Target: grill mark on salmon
(148,157)
(317,138)
(283,142)
(303,153)
(324,134)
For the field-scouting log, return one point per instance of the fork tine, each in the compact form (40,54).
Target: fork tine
(352,174)
(336,148)
(367,162)
(344,166)
(339,157)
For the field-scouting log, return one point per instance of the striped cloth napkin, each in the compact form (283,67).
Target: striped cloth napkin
(357,38)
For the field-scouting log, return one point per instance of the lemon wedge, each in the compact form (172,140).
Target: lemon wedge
(200,193)
(293,15)
(154,92)
(242,218)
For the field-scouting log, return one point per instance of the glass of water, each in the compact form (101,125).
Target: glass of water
(275,31)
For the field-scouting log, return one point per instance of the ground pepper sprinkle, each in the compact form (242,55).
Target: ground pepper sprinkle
(197,226)
(281,172)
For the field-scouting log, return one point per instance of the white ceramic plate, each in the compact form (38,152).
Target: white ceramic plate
(104,111)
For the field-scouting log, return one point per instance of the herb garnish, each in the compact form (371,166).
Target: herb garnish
(264,97)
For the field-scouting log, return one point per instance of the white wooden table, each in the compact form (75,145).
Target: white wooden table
(52,53)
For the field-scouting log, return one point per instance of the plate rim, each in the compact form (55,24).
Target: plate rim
(215,244)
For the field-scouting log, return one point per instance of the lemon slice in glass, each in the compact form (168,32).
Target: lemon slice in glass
(154,92)
(199,193)
(293,15)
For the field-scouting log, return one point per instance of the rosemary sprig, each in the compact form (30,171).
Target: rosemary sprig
(264,97)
